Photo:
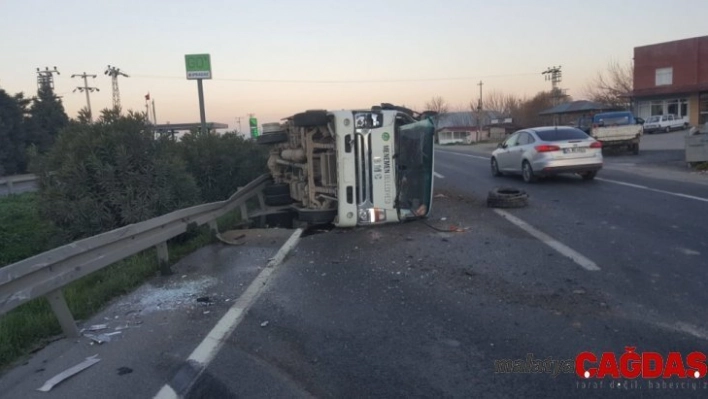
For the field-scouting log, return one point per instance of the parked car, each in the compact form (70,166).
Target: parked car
(545,151)
(665,123)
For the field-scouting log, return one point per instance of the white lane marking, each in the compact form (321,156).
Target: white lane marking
(212,343)
(551,242)
(438,175)
(656,190)
(465,155)
(166,393)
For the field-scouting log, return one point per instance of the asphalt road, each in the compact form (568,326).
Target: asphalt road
(411,311)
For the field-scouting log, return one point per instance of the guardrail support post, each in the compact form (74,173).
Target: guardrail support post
(214,226)
(244,212)
(163,258)
(9,185)
(63,314)
(261,201)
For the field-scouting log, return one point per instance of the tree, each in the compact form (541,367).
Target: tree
(499,102)
(101,176)
(222,163)
(528,113)
(437,104)
(612,86)
(47,119)
(13,133)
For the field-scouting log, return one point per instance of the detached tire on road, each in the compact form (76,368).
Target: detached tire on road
(507,197)
(272,138)
(311,119)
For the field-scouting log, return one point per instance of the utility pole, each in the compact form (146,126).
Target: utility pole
(555,75)
(154,114)
(479,110)
(114,72)
(238,120)
(87,90)
(45,78)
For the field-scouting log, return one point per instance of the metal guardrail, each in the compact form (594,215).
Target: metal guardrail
(10,182)
(47,273)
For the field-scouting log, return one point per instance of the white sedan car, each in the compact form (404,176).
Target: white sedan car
(544,151)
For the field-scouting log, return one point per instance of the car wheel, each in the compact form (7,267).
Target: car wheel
(668,129)
(589,175)
(495,168)
(527,172)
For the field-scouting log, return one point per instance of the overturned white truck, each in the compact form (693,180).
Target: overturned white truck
(352,167)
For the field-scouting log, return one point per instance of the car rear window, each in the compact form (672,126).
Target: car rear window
(562,134)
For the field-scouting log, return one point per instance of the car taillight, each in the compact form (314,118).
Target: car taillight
(596,144)
(547,148)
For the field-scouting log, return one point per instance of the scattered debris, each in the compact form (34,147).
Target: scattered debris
(579,292)
(97,327)
(204,299)
(90,361)
(440,196)
(39,370)
(101,338)
(231,237)
(265,323)
(443,219)
(124,370)
(207,311)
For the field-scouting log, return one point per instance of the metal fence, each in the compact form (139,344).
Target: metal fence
(48,273)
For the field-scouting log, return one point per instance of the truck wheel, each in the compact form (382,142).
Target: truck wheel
(316,216)
(283,220)
(277,189)
(272,138)
(311,119)
(507,197)
(278,199)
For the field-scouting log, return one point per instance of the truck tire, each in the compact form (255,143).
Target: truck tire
(283,220)
(272,138)
(316,216)
(311,119)
(507,197)
(278,199)
(276,189)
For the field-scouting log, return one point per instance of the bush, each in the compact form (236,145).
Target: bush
(222,163)
(23,232)
(110,174)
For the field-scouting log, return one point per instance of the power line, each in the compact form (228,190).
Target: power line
(248,80)
(87,90)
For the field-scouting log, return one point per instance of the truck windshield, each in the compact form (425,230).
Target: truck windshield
(414,174)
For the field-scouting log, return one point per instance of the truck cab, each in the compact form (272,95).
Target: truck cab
(353,167)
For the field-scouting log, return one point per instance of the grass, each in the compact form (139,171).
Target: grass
(30,326)
(701,166)
(23,232)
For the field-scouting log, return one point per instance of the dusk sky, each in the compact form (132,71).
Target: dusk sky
(276,58)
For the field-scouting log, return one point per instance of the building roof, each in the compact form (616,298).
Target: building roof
(576,106)
(465,119)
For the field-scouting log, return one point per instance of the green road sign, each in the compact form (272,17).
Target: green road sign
(198,66)
(253,123)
